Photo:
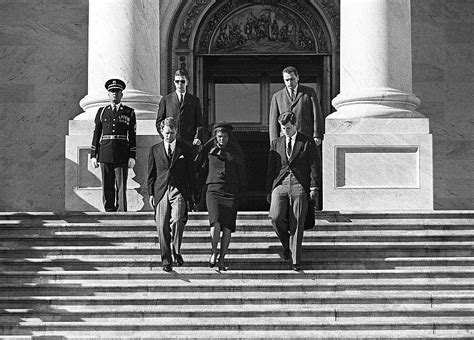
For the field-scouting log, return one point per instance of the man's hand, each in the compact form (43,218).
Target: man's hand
(152,201)
(317,141)
(131,163)
(94,162)
(269,198)
(197,142)
(313,195)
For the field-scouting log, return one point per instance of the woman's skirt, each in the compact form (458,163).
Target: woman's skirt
(222,204)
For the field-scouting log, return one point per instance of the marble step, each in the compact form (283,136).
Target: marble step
(234,259)
(241,264)
(244,324)
(248,310)
(68,239)
(433,333)
(87,287)
(230,297)
(268,282)
(187,273)
(322,217)
(256,223)
(390,257)
(254,230)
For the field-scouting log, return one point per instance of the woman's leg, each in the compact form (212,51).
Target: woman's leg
(225,241)
(215,233)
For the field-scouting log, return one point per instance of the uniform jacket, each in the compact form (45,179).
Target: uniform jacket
(306,107)
(188,115)
(123,125)
(178,172)
(304,163)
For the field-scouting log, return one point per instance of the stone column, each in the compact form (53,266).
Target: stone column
(124,42)
(377,152)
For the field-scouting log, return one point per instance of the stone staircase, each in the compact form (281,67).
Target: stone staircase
(90,275)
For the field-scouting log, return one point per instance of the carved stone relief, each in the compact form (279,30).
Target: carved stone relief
(273,27)
(263,29)
(260,26)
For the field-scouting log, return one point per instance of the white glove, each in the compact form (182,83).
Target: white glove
(94,162)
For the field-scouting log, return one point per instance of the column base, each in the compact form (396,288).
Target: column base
(83,182)
(145,104)
(378,171)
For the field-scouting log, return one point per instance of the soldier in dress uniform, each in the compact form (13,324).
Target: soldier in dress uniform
(114,146)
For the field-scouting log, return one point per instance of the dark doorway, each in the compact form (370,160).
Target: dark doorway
(238,89)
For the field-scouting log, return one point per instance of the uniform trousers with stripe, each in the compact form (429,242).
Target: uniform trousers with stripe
(288,209)
(114,186)
(171,217)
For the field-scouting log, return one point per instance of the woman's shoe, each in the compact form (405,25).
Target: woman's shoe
(213,260)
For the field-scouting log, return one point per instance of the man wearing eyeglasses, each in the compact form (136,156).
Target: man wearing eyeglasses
(185,108)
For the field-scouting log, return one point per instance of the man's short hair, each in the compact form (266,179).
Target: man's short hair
(290,69)
(182,73)
(287,117)
(169,122)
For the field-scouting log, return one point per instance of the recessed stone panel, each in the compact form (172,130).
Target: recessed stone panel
(377,167)
(88,177)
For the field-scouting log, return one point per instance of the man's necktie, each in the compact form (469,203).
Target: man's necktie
(170,152)
(180,96)
(288,148)
(114,109)
(293,94)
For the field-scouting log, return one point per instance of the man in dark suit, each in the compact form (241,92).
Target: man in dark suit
(114,146)
(171,184)
(292,180)
(302,101)
(185,108)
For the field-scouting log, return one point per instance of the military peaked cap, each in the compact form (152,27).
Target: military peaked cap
(114,85)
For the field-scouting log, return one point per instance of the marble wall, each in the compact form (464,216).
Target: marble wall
(43,75)
(443,78)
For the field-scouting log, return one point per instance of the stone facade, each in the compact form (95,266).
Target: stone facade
(43,72)
(443,78)
(44,49)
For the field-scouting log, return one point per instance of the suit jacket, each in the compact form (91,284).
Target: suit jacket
(188,115)
(179,171)
(122,124)
(306,107)
(304,163)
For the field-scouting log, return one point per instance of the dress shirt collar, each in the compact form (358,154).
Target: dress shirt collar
(173,146)
(295,90)
(293,138)
(116,105)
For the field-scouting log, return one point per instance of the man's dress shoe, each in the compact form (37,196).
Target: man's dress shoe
(179,260)
(167,268)
(296,267)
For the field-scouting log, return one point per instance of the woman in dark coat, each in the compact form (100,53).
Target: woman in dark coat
(223,167)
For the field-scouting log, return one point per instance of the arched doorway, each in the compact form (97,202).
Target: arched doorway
(235,51)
